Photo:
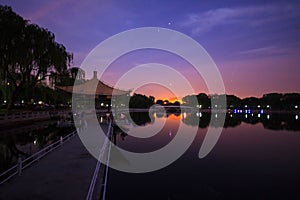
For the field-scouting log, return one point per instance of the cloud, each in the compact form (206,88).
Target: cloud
(253,16)
(272,51)
(269,50)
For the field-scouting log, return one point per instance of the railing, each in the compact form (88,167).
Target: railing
(22,164)
(4,117)
(105,148)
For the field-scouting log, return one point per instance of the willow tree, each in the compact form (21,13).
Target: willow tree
(29,54)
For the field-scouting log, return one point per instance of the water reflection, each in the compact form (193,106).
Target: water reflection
(202,119)
(27,141)
(253,159)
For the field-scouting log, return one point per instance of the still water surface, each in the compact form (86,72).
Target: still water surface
(256,157)
(26,140)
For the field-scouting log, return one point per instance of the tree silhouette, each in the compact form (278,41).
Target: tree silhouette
(29,54)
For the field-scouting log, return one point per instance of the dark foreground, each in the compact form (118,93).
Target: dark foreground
(65,173)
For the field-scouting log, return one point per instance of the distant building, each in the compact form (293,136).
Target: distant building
(103,92)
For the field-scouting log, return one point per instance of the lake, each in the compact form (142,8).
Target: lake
(256,157)
(25,140)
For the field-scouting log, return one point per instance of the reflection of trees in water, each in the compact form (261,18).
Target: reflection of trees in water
(26,143)
(202,120)
(141,118)
(269,121)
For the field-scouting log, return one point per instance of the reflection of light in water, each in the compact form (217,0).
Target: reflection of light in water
(258,115)
(246,116)
(101,119)
(184,115)
(170,133)
(230,115)
(216,115)
(199,114)
(296,117)
(252,114)
(268,116)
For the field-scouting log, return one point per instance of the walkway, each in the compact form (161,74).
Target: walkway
(65,173)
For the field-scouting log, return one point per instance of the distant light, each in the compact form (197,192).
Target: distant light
(8,83)
(268,106)
(35,141)
(216,115)
(261,111)
(199,114)
(252,114)
(246,106)
(268,116)
(40,102)
(234,111)
(216,106)
(4,101)
(258,115)
(106,105)
(200,106)
(258,106)
(22,101)
(296,117)
(246,116)
(296,107)
(184,115)
(102,104)
(101,119)
(230,115)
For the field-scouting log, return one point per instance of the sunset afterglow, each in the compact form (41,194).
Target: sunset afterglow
(254,44)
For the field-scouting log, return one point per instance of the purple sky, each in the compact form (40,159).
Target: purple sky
(255,44)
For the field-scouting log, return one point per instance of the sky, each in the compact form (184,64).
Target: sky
(255,44)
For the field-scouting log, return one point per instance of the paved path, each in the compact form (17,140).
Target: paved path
(65,173)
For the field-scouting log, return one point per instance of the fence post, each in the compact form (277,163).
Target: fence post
(20,166)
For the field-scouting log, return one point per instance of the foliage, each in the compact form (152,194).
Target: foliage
(274,101)
(141,101)
(29,54)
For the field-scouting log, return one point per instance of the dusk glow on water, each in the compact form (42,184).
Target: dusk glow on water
(107,99)
(249,161)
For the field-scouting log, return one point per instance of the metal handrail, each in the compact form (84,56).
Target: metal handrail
(22,164)
(106,171)
(96,171)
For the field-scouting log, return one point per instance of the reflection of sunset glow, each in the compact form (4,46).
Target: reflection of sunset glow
(175,117)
